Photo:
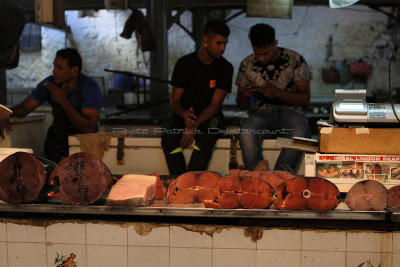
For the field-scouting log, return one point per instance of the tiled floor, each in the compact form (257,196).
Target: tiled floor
(152,245)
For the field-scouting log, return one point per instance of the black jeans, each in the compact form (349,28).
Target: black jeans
(170,141)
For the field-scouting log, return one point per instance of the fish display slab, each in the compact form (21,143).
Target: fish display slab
(159,208)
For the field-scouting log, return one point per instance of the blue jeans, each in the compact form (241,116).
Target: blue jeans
(271,123)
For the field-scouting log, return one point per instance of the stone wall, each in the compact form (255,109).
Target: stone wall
(357,32)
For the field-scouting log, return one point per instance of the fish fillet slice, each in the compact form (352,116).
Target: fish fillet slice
(133,190)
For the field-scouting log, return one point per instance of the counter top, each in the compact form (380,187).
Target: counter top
(159,208)
(33,117)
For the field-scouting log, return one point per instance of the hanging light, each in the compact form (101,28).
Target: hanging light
(341,3)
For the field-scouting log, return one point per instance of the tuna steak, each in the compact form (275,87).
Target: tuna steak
(367,195)
(193,187)
(246,192)
(394,197)
(82,178)
(22,178)
(274,178)
(268,177)
(307,193)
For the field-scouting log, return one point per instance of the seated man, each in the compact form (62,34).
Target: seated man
(277,79)
(200,83)
(75,100)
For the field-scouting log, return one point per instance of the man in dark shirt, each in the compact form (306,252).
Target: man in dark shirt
(278,81)
(75,100)
(200,83)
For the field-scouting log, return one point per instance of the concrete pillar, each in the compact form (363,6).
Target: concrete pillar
(159,11)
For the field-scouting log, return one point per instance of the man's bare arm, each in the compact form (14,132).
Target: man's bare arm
(176,107)
(213,108)
(86,121)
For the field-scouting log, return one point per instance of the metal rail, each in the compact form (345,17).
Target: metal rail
(159,208)
(146,93)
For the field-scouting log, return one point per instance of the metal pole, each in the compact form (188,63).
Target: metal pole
(199,19)
(3,87)
(159,58)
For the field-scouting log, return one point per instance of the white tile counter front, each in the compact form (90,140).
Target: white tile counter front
(103,243)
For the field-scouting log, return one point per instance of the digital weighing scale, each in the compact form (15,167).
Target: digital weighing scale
(351,108)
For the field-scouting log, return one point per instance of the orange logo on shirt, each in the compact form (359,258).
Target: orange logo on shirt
(213,83)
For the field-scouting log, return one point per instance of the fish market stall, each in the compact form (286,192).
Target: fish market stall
(97,234)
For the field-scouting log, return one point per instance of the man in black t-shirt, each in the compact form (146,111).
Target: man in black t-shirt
(200,83)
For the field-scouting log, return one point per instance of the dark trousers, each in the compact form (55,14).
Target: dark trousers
(199,159)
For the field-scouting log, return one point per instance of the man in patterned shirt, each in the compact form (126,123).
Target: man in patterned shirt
(276,79)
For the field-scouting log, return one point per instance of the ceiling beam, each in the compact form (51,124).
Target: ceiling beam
(230,4)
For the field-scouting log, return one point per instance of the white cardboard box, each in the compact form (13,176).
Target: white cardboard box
(347,169)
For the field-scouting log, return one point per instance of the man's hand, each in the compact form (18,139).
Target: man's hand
(4,124)
(59,95)
(188,137)
(268,89)
(249,90)
(190,118)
